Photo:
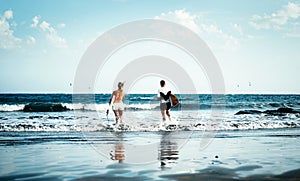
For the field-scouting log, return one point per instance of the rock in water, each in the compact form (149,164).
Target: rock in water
(248,112)
(40,107)
(281,111)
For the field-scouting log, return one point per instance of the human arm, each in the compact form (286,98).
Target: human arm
(158,95)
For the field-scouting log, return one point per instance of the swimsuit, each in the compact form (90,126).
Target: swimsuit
(118,106)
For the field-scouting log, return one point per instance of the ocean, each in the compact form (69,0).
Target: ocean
(195,112)
(218,137)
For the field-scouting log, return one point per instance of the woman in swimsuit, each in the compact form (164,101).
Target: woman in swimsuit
(118,106)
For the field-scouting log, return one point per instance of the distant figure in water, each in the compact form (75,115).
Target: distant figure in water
(118,106)
(164,96)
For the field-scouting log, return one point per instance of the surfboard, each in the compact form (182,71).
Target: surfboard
(110,105)
(174,100)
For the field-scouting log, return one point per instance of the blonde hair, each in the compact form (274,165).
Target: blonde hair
(120,85)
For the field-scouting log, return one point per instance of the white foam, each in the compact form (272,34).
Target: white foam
(9,108)
(143,120)
(142,106)
(88,107)
(103,107)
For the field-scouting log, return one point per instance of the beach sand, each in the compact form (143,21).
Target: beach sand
(184,155)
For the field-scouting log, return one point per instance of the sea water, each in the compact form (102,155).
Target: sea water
(195,112)
(218,137)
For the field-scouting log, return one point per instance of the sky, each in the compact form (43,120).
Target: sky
(256,43)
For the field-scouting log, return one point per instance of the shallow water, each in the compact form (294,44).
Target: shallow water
(148,155)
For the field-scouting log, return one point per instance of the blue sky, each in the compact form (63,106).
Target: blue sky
(256,43)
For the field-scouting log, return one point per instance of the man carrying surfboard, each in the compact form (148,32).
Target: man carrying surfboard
(165,104)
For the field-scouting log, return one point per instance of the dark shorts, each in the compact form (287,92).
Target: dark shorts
(165,106)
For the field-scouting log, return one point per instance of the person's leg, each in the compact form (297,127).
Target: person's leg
(163,122)
(116,116)
(163,114)
(168,111)
(163,108)
(121,115)
(168,114)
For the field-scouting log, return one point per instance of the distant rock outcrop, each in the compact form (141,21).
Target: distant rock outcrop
(41,107)
(279,111)
(248,112)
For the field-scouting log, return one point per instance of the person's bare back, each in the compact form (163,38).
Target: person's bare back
(119,95)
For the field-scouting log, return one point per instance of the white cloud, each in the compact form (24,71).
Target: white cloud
(293,10)
(45,26)
(7,37)
(8,14)
(218,38)
(182,17)
(277,19)
(14,24)
(62,25)
(237,28)
(35,20)
(51,33)
(211,33)
(57,40)
(30,40)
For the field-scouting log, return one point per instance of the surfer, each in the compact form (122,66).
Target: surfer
(118,106)
(164,96)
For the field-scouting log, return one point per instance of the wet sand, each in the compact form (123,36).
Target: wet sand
(224,155)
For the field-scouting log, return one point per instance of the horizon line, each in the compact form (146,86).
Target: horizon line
(207,93)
